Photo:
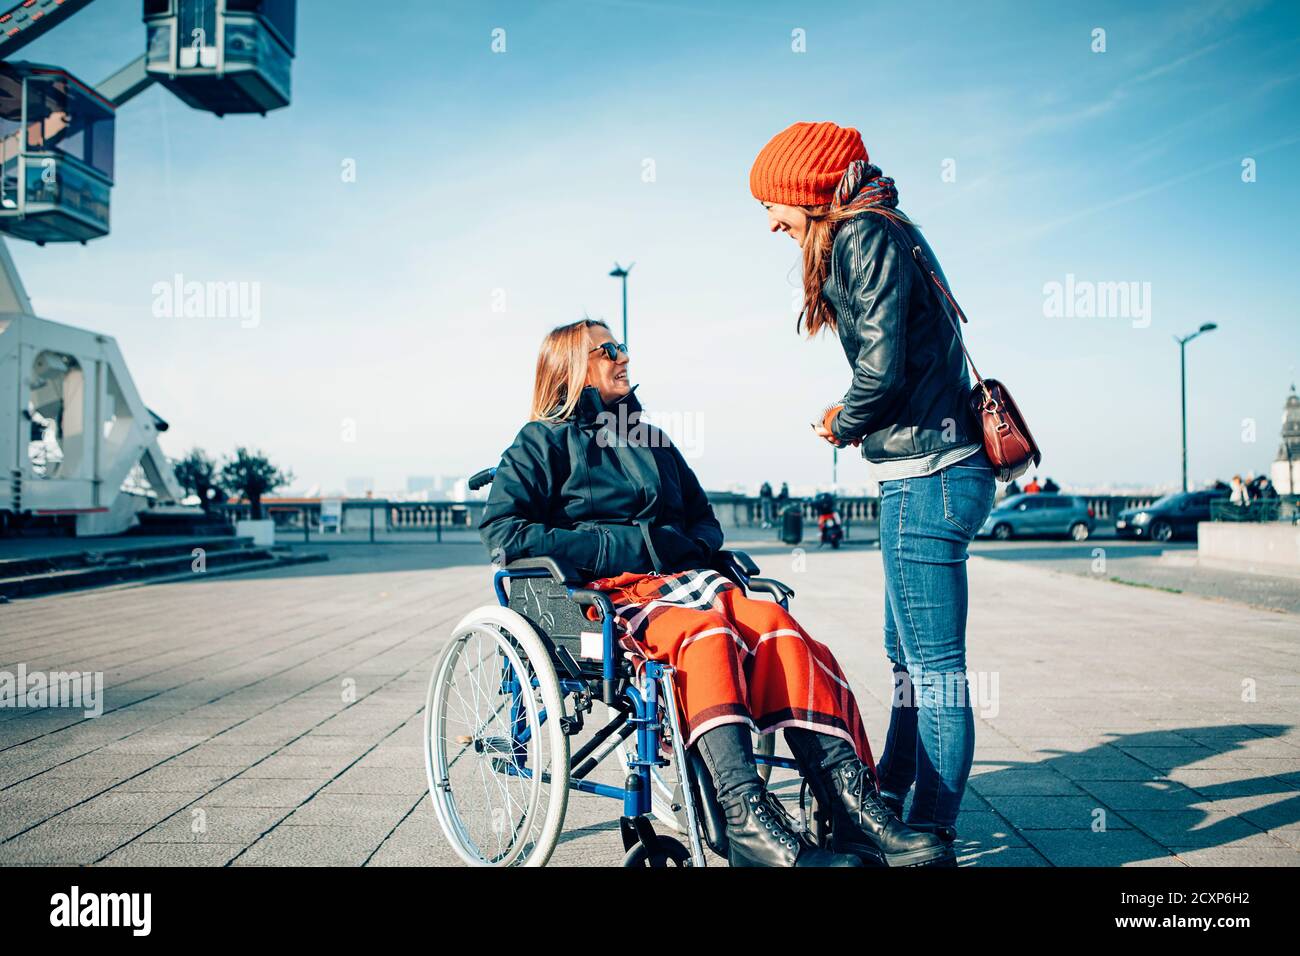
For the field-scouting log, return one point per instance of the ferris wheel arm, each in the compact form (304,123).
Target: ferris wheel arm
(127,83)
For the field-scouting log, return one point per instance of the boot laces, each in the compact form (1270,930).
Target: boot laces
(768,809)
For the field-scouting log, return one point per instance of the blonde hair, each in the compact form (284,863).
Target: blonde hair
(562,371)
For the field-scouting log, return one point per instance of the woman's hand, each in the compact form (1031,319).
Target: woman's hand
(824,432)
(823,429)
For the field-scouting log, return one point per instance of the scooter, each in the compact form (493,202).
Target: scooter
(829,522)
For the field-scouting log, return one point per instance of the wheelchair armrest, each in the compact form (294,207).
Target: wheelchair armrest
(561,571)
(778,590)
(738,558)
(596,599)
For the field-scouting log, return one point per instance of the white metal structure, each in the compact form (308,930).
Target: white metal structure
(72,425)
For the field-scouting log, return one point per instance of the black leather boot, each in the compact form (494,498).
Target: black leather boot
(863,823)
(761,833)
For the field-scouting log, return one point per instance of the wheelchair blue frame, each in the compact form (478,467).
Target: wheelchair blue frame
(636,792)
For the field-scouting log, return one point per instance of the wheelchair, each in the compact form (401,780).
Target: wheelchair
(518,681)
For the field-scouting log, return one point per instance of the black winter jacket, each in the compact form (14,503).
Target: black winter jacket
(602,490)
(908,396)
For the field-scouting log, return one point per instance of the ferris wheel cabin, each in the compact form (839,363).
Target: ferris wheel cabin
(56,155)
(222,56)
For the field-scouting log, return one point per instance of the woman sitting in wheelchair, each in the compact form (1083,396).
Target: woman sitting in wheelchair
(587,481)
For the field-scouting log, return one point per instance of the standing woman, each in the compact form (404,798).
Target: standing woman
(907,409)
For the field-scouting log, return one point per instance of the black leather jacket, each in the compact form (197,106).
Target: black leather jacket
(602,490)
(908,396)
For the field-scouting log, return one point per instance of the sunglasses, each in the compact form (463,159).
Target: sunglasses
(611,350)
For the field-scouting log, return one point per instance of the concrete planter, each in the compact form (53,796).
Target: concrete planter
(261,531)
(1267,548)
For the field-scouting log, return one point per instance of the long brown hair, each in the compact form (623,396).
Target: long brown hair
(823,223)
(561,371)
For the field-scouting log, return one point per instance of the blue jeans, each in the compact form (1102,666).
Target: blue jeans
(926,526)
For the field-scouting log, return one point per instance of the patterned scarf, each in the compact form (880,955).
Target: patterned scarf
(864,187)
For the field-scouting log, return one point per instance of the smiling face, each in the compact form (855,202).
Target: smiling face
(609,378)
(791,220)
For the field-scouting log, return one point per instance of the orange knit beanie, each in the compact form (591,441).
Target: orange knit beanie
(802,164)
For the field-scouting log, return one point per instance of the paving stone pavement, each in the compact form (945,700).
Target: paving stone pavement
(275,718)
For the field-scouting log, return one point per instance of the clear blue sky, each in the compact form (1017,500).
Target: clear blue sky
(523,172)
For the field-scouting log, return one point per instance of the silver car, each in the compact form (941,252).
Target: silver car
(1044,513)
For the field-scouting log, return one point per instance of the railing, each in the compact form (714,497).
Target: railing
(742,511)
(378,519)
(371,518)
(1285,508)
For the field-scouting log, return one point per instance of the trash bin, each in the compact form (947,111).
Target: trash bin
(792,524)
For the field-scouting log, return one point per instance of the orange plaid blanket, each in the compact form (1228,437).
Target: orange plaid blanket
(738,659)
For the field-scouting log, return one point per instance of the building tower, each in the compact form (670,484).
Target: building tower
(1287,465)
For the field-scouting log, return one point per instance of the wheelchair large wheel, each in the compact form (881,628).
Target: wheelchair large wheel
(496,754)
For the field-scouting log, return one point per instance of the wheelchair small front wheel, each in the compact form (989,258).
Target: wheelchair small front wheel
(496,755)
(665,853)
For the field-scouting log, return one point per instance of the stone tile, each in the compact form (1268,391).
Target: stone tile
(173,854)
(1054,813)
(320,769)
(1164,759)
(52,844)
(331,808)
(202,823)
(1002,856)
(142,808)
(982,829)
(1111,847)
(311,846)
(1240,856)
(1229,783)
(381,780)
(1144,795)
(1034,781)
(245,792)
(1196,828)
(169,778)
(1114,765)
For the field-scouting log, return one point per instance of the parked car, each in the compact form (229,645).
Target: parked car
(1173,516)
(1038,514)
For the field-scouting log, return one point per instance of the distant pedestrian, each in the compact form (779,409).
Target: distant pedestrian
(1265,489)
(1240,493)
(1013,488)
(765,504)
(784,496)
(1050,487)
(1033,487)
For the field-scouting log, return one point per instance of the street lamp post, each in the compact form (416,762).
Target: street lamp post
(618,272)
(1182,375)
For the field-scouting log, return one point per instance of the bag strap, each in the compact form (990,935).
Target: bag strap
(926,269)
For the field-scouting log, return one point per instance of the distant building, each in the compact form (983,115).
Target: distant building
(415,483)
(358,487)
(1285,467)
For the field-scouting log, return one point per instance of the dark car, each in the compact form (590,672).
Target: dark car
(1173,516)
(1040,514)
